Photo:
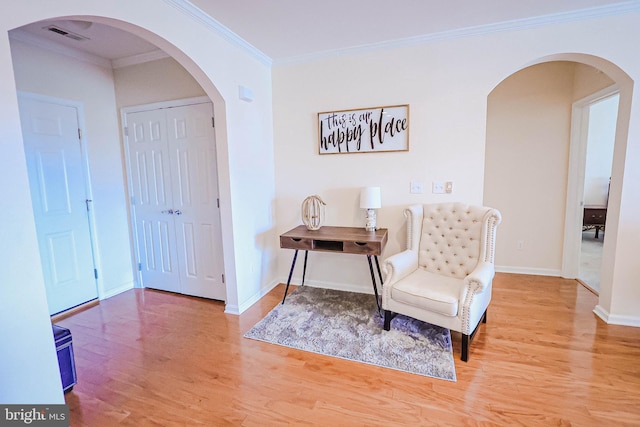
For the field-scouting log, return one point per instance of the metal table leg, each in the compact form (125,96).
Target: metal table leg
(373,280)
(379,272)
(293,264)
(304,270)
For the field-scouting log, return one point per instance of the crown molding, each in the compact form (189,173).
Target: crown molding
(632,6)
(41,42)
(139,59)
(200,16)
(183,5)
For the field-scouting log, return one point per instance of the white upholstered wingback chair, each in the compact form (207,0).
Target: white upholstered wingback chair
(444,276)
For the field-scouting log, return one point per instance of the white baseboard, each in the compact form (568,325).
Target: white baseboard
(362,288)
(349,287)
(615,319)
(529,270)
(231,309)
(112,292)
(239,309)
(367,289)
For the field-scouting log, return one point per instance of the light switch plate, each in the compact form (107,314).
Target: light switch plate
(416,187)
(437,187)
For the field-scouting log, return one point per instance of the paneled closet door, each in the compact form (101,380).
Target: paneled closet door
(195,200)
(174,182)
(150,176)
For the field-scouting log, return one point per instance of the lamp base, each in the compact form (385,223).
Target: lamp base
(371,220)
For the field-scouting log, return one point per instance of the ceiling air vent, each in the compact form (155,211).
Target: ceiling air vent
(65,33)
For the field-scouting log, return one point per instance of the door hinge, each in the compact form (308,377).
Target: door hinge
(126,131)
(222,277)
(95,273)
(218,202)
(213,122)
(139,266)
(79,133)
(87,201)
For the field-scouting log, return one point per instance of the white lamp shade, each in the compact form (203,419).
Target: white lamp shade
(370,198)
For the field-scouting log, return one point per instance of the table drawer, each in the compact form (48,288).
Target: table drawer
(366,248)
(594,216)
(296,243)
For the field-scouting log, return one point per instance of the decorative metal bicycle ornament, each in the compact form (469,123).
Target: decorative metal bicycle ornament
(313,212)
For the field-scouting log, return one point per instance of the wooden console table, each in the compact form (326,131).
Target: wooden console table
(347,240)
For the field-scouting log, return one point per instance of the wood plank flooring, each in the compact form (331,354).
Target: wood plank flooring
(148,358)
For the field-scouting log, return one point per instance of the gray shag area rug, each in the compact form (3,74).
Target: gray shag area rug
(347,325)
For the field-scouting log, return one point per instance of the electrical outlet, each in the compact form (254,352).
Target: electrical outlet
(416,187)
(437,187)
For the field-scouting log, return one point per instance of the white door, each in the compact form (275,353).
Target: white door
(150,183)
(175,192)
(195,200)
(59,196)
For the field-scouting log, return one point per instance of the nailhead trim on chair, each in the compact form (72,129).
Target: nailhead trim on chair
(466,315)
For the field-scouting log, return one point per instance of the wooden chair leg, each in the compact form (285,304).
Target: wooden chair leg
(387,320)
(466,339)
(465,348)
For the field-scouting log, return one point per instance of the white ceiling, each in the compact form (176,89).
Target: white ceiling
(287,29)
(102,40)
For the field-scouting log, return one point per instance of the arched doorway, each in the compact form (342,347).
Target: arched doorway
(197,45)
(541,206)
(110,223)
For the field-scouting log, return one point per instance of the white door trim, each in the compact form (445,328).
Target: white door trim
(86,171)
(575,180)
(160,105)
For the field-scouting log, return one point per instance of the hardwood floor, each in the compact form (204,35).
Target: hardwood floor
(146,357)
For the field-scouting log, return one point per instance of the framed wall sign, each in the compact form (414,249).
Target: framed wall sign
(365,130)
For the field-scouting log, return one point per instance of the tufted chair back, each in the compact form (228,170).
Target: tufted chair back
(452,241)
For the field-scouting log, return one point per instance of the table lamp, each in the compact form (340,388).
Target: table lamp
(370,200)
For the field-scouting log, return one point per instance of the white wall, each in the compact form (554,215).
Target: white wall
(154,81)
(28,364)
(445,131)
(446,84)
(600,140)
(29,370)
(47,73)
(528,129)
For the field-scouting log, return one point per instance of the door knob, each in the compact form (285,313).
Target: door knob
(177,212)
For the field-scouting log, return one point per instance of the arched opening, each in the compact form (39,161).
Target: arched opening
(64,76)
(532,109)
